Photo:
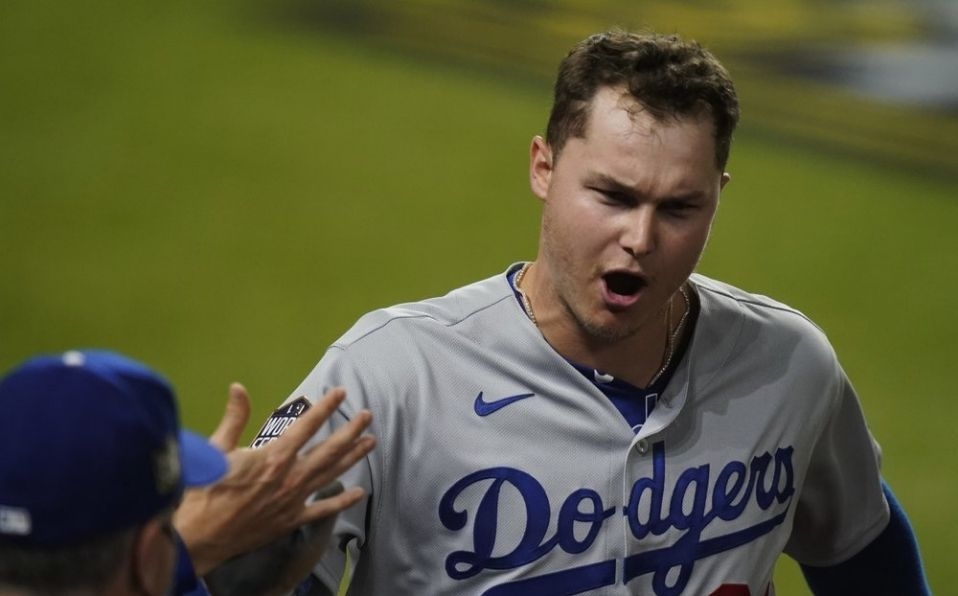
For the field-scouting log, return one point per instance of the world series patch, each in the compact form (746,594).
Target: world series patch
(282,418)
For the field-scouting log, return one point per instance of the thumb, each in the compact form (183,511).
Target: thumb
(234,420)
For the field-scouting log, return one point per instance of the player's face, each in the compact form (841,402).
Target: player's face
(627,212)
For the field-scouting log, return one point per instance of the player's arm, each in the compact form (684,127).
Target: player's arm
(890,564)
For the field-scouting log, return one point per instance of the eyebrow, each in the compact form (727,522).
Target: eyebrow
(607,182)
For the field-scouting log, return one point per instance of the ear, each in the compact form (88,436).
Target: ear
(726,177)
(154,556)
(540,167)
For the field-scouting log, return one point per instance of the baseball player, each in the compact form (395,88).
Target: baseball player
(603,420)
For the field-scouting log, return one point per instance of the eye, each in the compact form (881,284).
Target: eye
(615,197)
(679,209)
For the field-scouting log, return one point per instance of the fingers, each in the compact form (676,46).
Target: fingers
(324,462)
(234,420)
(324,508)
(339,452)
(294,437)
(338,442)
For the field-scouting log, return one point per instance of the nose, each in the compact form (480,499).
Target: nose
(639,234)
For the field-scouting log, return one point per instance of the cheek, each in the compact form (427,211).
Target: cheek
(576,235)
(559,221)
(688,247)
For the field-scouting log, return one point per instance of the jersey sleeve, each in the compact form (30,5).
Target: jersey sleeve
(890,564)
(841,508)
(349,531)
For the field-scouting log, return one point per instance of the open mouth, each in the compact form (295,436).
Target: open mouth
(623,284)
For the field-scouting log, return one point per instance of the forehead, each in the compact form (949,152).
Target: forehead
(619,125)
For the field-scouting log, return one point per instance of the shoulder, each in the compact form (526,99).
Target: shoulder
(760,328)
(729,303)
(451,313)
(395,349)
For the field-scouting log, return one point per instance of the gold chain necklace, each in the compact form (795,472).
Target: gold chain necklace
(526,305)
(671,337)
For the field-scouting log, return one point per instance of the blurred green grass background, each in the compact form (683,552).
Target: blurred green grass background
(221,195)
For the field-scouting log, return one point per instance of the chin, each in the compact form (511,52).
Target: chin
(609,332)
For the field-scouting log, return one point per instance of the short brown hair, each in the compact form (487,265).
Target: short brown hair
(668,76)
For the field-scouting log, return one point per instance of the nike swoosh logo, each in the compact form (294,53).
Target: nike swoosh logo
(484,408)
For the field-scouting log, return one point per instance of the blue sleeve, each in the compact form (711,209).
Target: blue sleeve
(185,582)
(890,564)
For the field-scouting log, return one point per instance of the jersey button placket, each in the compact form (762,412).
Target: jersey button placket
(642,446)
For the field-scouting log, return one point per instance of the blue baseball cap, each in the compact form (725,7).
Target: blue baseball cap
(90,444)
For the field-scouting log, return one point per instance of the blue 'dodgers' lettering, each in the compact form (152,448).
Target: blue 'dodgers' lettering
(693,503)
(533,544)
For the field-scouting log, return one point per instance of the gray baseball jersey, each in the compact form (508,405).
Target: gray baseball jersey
(500,469)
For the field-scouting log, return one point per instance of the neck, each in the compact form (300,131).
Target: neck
(637,362)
